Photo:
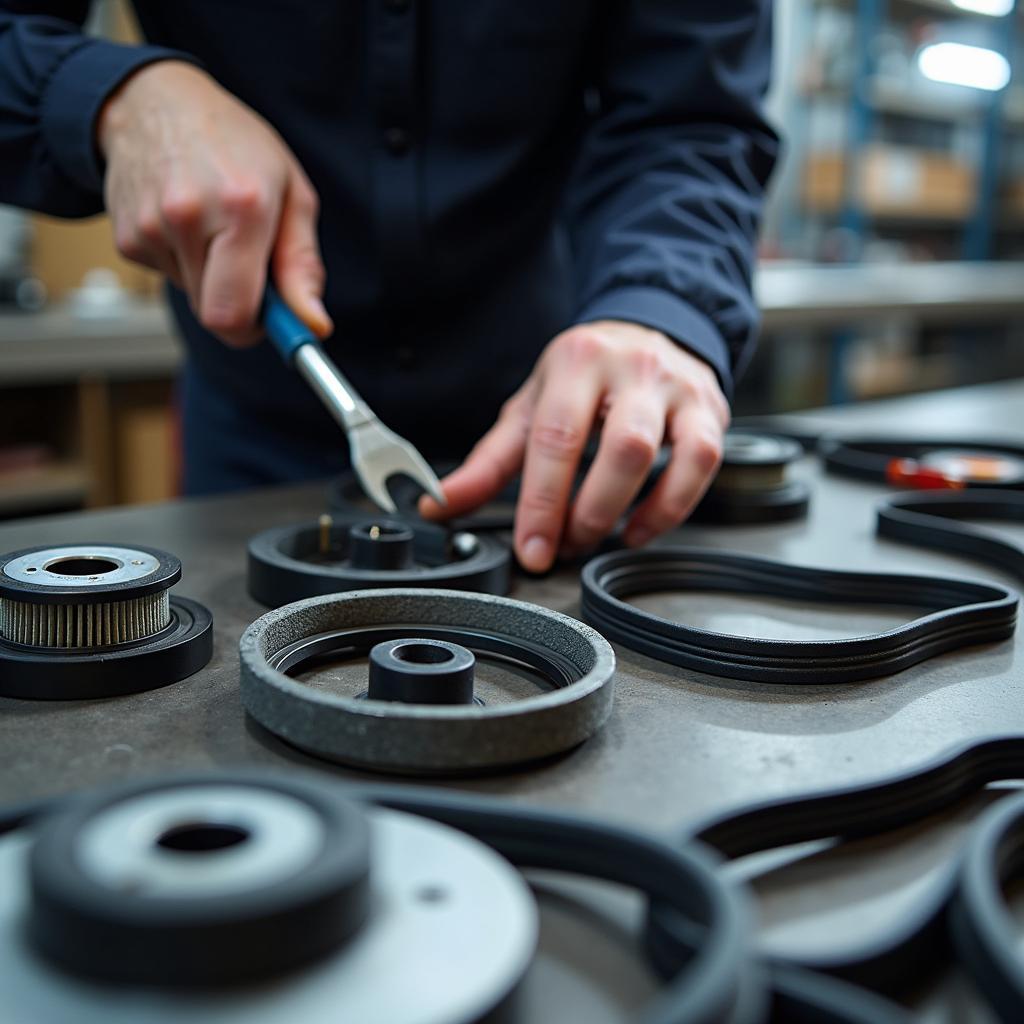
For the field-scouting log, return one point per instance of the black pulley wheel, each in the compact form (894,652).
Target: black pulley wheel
(291,563)
(196,881)
(751,485)
(85,621)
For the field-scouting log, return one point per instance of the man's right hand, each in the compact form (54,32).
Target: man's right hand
(201,188)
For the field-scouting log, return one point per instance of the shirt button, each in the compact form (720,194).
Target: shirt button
(397,140)
(397,6)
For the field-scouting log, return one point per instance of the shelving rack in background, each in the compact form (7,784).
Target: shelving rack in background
(884,165)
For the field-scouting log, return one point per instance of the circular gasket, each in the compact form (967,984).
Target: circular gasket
(199,880)
(575,661)
(285,564)
(176,652)
(960,613)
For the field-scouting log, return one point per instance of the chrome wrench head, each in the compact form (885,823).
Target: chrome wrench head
(379,453)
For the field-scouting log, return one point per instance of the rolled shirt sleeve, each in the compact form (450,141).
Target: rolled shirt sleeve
(666,202)
(53,82)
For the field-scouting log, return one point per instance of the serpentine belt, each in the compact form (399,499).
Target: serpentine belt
(929,520)
(925,462)
(963,906)
(959,613)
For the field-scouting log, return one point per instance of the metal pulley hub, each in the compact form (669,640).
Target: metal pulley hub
(96,620)
(752,485)
(336,554)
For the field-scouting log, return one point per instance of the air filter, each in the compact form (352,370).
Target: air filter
(95,620)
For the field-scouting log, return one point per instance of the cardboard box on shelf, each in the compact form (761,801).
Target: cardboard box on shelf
(893,181)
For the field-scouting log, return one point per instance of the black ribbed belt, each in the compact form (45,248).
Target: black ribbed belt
(930,521)
(925,463)
(960,613)
(964,911)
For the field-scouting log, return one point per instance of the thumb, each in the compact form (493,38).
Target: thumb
(496,459)
(295,261)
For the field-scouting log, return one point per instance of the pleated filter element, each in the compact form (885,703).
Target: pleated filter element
(66,626)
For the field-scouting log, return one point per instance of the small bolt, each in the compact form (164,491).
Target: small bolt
(374,533)
(94,577)
(136,561)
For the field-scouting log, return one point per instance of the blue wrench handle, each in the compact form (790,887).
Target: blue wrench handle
(285,330)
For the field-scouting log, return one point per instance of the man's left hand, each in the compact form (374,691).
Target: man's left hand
(644,390)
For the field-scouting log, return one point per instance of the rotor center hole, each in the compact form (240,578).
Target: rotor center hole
(423,654)
(202,837)
(82,565)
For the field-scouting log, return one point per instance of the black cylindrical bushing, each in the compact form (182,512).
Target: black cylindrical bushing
(380,546)
(415,671)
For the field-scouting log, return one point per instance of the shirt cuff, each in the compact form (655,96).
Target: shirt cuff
(76,91)
(663,311)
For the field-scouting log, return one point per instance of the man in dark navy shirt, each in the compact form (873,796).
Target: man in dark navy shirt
(471,199)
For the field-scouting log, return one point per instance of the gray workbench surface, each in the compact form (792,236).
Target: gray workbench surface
(679,745)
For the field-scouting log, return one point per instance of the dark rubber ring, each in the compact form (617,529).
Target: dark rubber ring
(175,653)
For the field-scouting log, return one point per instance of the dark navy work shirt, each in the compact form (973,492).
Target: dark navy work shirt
(490,172)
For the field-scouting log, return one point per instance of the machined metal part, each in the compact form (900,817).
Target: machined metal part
(573,663)
(328,557)
(95,620)
(752,485)
(85,595)
(449,930)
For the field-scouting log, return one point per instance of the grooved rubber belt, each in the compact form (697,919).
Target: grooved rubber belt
(929,520)
(869,458)
(963,911)
(960,613)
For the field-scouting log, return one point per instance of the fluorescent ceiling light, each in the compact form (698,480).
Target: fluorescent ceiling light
(993,8)
(958,64)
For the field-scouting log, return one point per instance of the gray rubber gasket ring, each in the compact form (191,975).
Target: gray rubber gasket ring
(417,738)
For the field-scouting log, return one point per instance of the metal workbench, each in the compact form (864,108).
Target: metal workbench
(678,746)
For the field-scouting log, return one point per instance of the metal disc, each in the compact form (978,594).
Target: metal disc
(452,930)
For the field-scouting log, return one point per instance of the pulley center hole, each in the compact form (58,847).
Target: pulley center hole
(422,654)
(82,565)
(202,837)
